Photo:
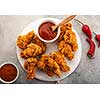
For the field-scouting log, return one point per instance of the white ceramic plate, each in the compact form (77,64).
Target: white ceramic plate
(50,48)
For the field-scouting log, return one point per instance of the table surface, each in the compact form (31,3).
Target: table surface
(88,71)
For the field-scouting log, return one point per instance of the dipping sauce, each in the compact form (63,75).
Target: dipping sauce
(45,31)
(8,72)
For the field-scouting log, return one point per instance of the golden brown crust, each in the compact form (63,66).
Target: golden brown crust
(49,73)
(37,41)
(31,72)
(24,40)
(65,49)
(70,38)
(31,66)
(63,28)
(60,59)
(32,50)
(48,64)
(67,42)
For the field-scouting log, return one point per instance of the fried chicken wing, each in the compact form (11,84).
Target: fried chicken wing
(70,38)
(24,40)
(31,66)
(37,41)
(49,65)
(32,50)
(65,49)
(60,59)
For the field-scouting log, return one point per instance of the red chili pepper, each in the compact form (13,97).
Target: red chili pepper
(91,51)
(97,37)
(85,29)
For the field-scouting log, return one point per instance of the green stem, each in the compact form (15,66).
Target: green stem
(79,21)
(90,57)
(94,33)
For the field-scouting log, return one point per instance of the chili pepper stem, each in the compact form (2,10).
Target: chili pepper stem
(90,57)
(94,33)
(79,21)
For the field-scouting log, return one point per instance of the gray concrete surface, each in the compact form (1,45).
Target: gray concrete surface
(88,71)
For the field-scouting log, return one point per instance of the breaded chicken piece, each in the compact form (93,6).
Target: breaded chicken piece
(49,72)
(30,62)
(53,66)
(37,41)
(31,72)
(70,38)
(31,66)
(65,49)
(42,65)
(43,61)
(49,65)
(24,40)
(60,59)
(32,50)
(63,28)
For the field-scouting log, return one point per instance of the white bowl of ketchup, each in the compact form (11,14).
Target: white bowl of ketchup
(45,32)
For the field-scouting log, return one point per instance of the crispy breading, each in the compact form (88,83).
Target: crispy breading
(63,28)
(31,66)
(37,41)
(70,38)
(65,49)
(60,59)
(48,64)
(30,62)
(48,72)
(42,61)
(32,50)
(53,66)
(24,40)
(31,72)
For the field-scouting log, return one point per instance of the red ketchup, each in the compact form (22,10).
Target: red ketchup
(45,31)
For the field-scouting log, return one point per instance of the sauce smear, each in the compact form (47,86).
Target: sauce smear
(8,72)
(45,31)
